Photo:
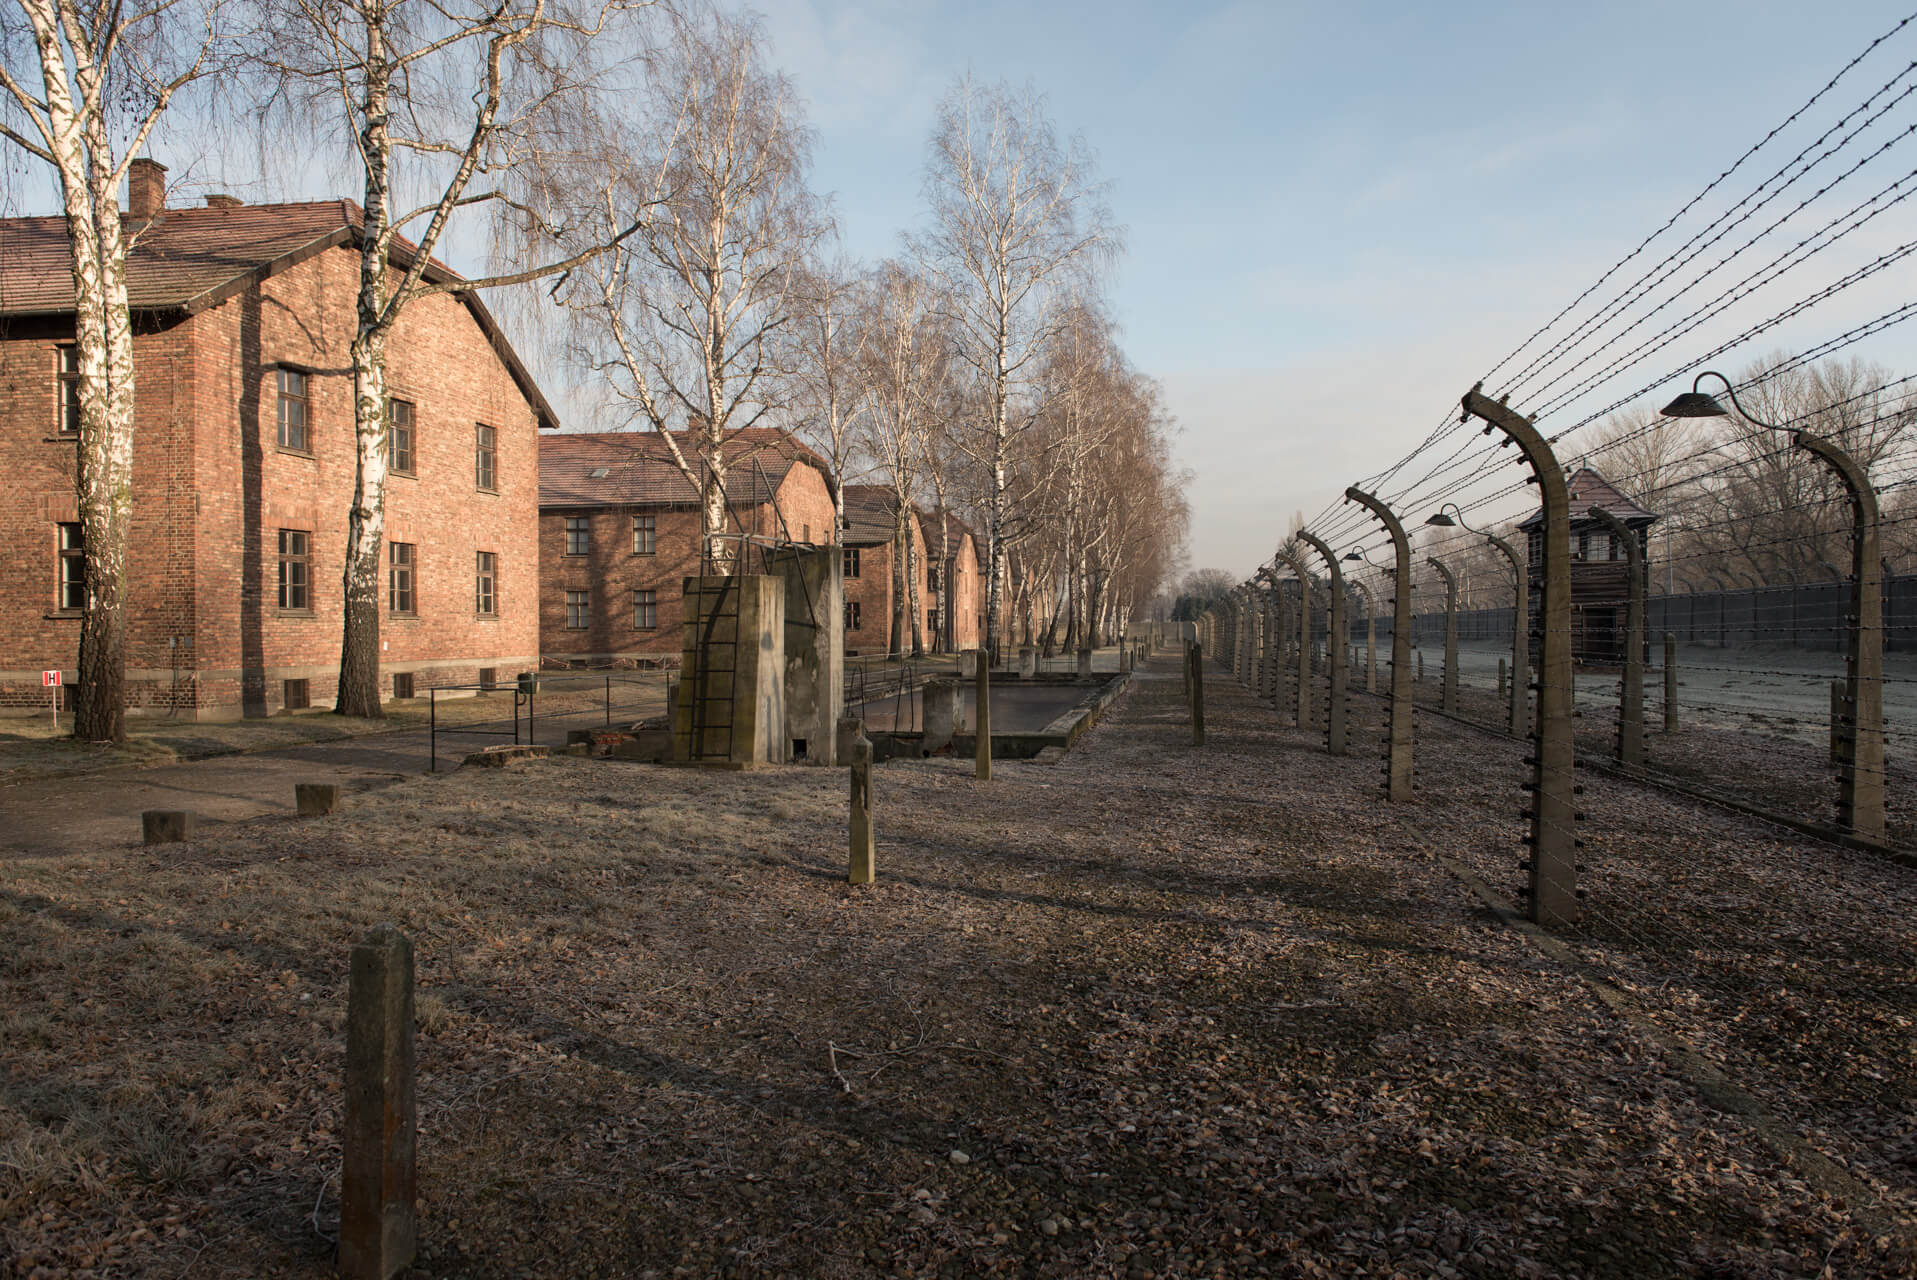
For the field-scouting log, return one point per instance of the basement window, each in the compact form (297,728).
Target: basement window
(402,684)
(297,695)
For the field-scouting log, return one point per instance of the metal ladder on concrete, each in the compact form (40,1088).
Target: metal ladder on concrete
(712,693)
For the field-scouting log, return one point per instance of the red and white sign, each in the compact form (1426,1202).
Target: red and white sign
(49,679)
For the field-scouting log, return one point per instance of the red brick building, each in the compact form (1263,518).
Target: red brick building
(967,622)
(244,464)
(619,532)
(870,539)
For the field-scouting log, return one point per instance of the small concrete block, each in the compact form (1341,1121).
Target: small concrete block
(580,749)
(941,704)
(500,757)
(165,826)
(850,729)
(315,799)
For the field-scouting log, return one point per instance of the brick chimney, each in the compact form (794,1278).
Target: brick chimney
(146,188)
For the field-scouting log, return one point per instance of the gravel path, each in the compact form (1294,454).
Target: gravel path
(1153,1011)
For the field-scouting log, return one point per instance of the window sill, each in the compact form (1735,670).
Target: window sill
(63,614)
(402,475)
(61,438)
(485,617)
(491,493)
(402,617)
(296,613)
(308,454)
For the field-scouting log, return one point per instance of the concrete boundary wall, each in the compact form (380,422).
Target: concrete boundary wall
(1809,615)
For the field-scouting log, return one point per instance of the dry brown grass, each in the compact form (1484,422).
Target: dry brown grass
(31,748)
(1185,1013)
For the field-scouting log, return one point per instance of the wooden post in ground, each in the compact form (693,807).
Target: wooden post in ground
(860,867)
(982,715)
(379,1176)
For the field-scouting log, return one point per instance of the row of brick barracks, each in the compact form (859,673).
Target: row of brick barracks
(508,544)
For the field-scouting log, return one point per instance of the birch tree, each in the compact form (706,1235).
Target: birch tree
(475,97)
(906,359)
(86,83)
(831,395)
(688,321)
(1018,223)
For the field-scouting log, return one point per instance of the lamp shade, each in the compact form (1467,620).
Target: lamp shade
(1442,520)
(1695,404)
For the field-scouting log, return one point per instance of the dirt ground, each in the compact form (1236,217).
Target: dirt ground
(1153,1011)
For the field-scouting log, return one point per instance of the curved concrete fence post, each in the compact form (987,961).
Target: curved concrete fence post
(1552,889)
(1398,731)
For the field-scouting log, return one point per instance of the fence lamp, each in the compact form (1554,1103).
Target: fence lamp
(1441,520)
(1696,404)
(1358,554)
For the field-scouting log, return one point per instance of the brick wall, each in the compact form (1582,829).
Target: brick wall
(212,490)
(610,572)
(872,591)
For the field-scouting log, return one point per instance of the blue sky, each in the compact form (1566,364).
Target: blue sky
(1338,216)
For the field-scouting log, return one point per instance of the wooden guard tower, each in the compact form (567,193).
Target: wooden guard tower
(1600,586)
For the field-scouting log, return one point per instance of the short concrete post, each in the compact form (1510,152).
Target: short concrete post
(1670,683)
(315,799)
(1501,679)
(165,826)
(982,715)
(1421,666)
(1027,662)
(379,1176)
(941,714)
(1084,664)
(1197,660)
(848,732)
(859,867)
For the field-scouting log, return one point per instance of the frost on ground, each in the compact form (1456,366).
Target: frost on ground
(1152,1011)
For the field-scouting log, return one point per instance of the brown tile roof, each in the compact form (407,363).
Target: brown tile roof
(1589,489)
(635,468)
(955,526)
(188,260)
(870,515)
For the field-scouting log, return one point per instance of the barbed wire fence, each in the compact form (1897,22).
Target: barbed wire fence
(1787,591)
